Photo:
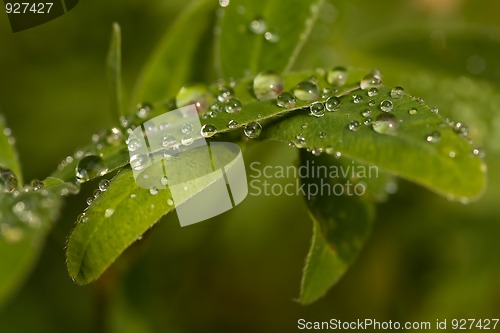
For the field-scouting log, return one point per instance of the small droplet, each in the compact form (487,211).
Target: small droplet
(104,184)
(300,141)
(322,135)
(368,121)
(96,193)
(89,167)
(272,36)
(258,26)
(330,150)
(232,123)
(386,105)
(306,91)
(286,100)
(461,129)
(366,113)
(144,110)
(253,130)
(187,140)
(433,137)
(133,144)
(267,85)
(372,92)
(170,202)
(224,3)
(225,93)
(332,103)
(420,100)
(90,200)
(354,125)
(153,190)
(357,99)
(109,212)
(386,124)
(413,111)
(371,102)
(478,152)
(397,92)
(233,105)
(133,196)
(82,218)
(317,109)
(114,137)
(337,76)
(208,130)
(187,128)
(435,109)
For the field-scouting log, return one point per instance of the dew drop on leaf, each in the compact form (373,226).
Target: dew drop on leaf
(153,190)
(144,110)
(109,212)
(371,80)
(306,91)
(138,162)
(366,113)
(208,130)
(337,76)
(258,26)
(267,85)
(372,92)
(386,105)
(357,99)
(433,137)
(252,130)
(397,92)
(37,184)
(198,95)
(225,93)
(354,125)
(89,167)
(286,100)
(332,103)
(317,109)
(187,128)
(272,36)
(104,184)
(232,123)
(386,124)
(233,105)
(413,111)
(224,3)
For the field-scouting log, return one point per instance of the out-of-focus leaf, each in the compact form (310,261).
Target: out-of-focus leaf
(60,187)
(114,65)
(8,155)
(267,40)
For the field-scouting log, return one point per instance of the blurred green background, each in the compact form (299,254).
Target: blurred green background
(427,258)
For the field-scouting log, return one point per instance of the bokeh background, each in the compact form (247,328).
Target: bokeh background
(428,258)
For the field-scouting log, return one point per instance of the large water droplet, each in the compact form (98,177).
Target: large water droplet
(267,85)
(386,105)
(208,130)
(286,100)
(317,109)
(306,91)
(386,124)
(397,92)
(258,26)
(433,137)
(332,103)
(90,167)
(253,130)
(8,180)
(337,76)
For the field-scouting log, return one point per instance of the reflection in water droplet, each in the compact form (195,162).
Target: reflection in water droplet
(224,3)
(317,109)
(478,152)
(337,76)
(386,105)
(252,130)
(37,185)
(267,85)
(90,167)
(371,102)
(306,91)
(386,124)
(286,100)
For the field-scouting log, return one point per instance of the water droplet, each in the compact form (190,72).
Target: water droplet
(104,184)
(225,93)
(300,141)
(371,102)
(197,94)
(366,113)
(368,121)
(332,103)
(397,92)
(330,150)
(153,190)
(253,130)
(435,109)
(133,144)
(327,92)
(138,162)
(357,99)
(109,212)
(90,200)
(232,123)
(170,202)
(371,80)
(452,154)
(461,129)
(144,110)
(420,100)
(208,130)
(286,100)
(386,124)
(233,105)
(337,76)
(272,36)
(306,91)
(433,137)
(187,128)
(322,135)
(82,218)
(224,3)
(114,137)
(386,105)
(187,140)
(267,85)
(354,125)
(372,92)
(478,152)
(317,109)
(90,167)
(413,111)
(133,196)
(258,26)
(37,185)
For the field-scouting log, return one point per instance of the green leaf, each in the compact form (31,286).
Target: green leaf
(26,220)
(253,52)
(342,218)
(114,65)
(60,187)
(8,155)
(172,63)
